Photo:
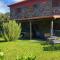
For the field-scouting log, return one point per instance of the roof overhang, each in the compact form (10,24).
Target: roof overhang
(56,16)
(41,17)
(16,3)
(35,18)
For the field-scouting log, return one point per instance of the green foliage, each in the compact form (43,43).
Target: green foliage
(1,55)
(12,31)
(5,16)
(26,58)
(1,28)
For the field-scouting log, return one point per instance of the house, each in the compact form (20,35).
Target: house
(39,18)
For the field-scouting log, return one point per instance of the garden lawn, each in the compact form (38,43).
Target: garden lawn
(27,48)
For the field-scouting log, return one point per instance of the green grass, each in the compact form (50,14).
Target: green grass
(28,48)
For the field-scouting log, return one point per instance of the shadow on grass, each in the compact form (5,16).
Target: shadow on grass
(51,48)
(38,39)
(2,40)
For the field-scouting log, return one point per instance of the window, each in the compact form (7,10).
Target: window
(30,9)
(35,5)
(55,3)
(18,10)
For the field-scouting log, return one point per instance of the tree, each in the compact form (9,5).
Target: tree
(3,18)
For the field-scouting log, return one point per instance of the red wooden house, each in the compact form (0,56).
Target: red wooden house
(37,17)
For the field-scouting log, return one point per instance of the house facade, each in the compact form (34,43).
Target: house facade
(37,17)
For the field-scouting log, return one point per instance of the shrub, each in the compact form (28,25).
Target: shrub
(26,58)
(1,55)
(12,31)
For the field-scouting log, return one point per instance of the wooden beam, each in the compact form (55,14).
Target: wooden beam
(52,28)
(30,30)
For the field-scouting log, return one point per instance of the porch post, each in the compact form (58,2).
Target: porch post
(52,28)
(30,30)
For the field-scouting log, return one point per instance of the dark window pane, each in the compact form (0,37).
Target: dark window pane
(18,10)
(55,3)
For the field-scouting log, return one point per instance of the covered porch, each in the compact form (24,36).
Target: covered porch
(40,27)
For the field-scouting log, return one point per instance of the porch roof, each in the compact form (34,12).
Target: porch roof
(41,17)
(56,16)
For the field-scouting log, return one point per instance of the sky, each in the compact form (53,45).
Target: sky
(4,5)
